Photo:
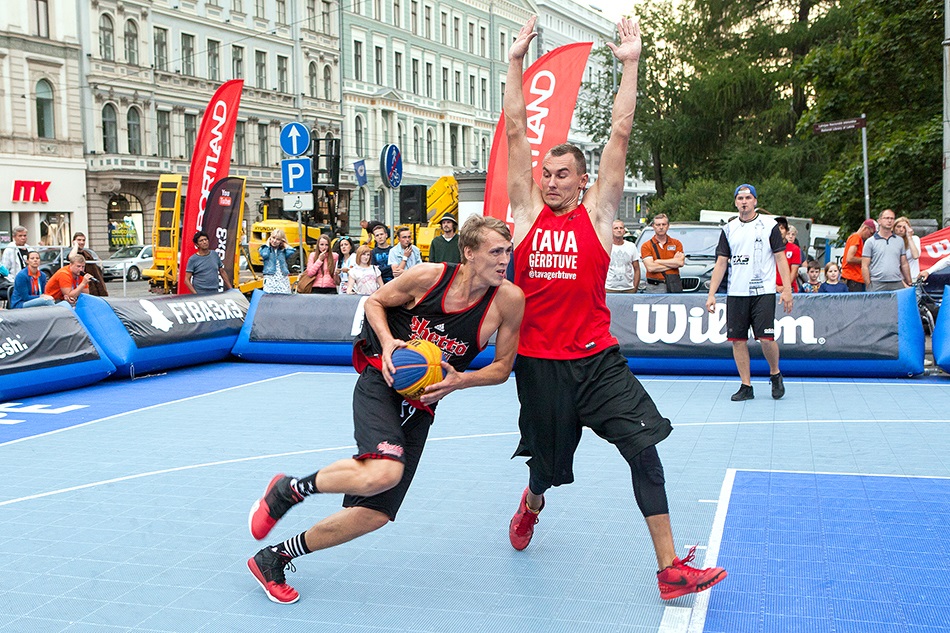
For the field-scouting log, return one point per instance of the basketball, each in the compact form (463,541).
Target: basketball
(417,367)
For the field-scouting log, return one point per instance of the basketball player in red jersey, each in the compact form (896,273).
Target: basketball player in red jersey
(456,306)
(569,371)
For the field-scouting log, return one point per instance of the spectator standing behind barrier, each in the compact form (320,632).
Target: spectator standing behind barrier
(814,278)
(346,258)
(793,255)
(904,230)
(663,257)
(404,255)
(204,268)
(623,275)
(851,261)
(13,260)
(365,278)
(793,238)
(70,281)
(274,259)
(98,287)
(29,285)
(748,245)
(321,265)
(883,263)
(445,247)
(833,281)
(381,250)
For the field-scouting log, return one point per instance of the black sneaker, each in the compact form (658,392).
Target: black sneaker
(268,510)
(268,568)
(778,387)
(745,393)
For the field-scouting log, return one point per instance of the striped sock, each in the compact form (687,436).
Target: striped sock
(306,486)
(294,546)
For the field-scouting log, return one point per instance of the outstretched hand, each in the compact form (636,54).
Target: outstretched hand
(519,48)
(630,43)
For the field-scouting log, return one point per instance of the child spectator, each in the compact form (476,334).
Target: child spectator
(833,281)
(814,277)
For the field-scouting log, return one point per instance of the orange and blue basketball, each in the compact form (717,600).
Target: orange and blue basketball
(417,366)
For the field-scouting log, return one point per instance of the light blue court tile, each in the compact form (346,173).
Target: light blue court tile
(233,623)
(588,611)
(88,627)
(33,625)
(152,596)
(494,623)
(82,568)
(207,599)
(178,620)
(16,604)
(49,584)
(68,609)
(519,604)
(119,614)
(100,589)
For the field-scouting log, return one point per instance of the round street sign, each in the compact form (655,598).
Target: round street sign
(390,166)
(294,138)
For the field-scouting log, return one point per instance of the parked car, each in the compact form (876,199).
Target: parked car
(699,244)
(131,259)
(52,258)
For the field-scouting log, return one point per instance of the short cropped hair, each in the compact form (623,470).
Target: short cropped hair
(471,234)
(660,216)
(568,148)
(77,259)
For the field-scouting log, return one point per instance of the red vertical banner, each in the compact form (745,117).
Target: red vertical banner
(550,88)
(209,164)
(934,247)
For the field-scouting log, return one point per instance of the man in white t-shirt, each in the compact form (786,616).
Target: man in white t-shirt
(624,272)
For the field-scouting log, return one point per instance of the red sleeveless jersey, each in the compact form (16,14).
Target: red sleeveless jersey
(561,266)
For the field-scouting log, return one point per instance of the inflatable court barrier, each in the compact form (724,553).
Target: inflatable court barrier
(862,334)
(47,349)
(146,335)
(849,334)
(941,335)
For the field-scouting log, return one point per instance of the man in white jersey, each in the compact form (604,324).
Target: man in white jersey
(624,272)
(751,246)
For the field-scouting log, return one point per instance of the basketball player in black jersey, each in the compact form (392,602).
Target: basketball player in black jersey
(456,306)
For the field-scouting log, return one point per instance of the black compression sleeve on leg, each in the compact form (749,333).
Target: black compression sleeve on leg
(649,483)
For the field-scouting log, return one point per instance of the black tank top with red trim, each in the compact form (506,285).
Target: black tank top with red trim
(457,334)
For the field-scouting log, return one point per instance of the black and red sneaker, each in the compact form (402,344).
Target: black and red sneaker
(268,568)
(521,528)
(268,510)
(680,579)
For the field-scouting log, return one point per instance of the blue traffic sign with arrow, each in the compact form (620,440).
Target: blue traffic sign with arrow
(294,138)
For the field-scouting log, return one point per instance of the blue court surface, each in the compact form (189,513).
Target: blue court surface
(123,507)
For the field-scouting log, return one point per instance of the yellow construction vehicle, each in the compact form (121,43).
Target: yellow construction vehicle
(442,199)
(163,275)
(272,215)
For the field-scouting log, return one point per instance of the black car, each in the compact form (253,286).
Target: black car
(52,258)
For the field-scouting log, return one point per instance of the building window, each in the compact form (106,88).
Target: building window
(445,28)
(191,134)
(41,9)
(456,32)
(427,22)
(484,162)
(416,145)
(326,17)
(378,10)
(134,120)
(237,62)
(397,63)
(458,86)
(282,73)
(471,89)
(428,79)
(482,38)
(131,43)
(445,83)
(471,38)
(263,155)
(414,16)
(187,55)
(259,9)
(358,127)
(312,79)
(240,143)
(110,130)
(106,38)
(214,60)
(358,7)
(484,94)
(358,61)
(502,46)
(378,65)
(260,69)
(312,15)
(454,147)
(282,11)
(430,148)
(237,6)
(161,49)
(397,14)
(45,127)
(327,83)
(415,76)
(163,123)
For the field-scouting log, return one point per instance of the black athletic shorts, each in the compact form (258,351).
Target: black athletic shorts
(560,397)
(386,427)
(756,312)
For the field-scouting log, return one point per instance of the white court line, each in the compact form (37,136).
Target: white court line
(238,460)
(698,618)
(801,380)
(162,404)
(843,421)
(675,620)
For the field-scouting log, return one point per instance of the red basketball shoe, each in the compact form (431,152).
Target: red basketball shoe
(268,568)
(522,524)
(267,511)
(680,579)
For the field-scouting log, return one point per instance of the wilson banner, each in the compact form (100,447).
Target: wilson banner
(209,164)
(550,85)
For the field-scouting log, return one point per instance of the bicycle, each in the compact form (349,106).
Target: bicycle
(927,306)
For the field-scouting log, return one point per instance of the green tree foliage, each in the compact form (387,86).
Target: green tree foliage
(730,89)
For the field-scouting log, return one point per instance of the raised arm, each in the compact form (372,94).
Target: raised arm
(524,194)
(603,198)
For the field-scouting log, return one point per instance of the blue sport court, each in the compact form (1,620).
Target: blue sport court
(123,507)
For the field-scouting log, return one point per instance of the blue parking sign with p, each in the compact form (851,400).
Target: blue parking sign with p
(296,175)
